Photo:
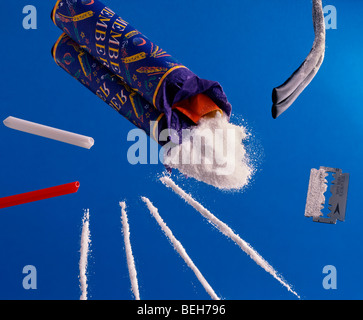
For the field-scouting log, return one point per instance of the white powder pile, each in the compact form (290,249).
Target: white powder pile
(213,152)
(317,187)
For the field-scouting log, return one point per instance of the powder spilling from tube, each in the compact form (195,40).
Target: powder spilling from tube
(213,152)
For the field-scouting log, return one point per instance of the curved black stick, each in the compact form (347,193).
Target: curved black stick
(285,95)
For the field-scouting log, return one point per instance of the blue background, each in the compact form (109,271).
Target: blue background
(249,47)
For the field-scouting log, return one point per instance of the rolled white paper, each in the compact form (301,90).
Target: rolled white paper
(49,132)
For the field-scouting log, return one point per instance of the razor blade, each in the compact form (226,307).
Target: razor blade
(316,199)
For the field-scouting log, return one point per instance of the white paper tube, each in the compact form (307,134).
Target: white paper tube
(49,132)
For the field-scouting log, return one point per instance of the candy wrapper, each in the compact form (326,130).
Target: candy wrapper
(180,96)
(107,86)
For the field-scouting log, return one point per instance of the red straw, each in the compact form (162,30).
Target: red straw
(39,195)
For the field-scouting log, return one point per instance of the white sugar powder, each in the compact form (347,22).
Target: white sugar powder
(213,152)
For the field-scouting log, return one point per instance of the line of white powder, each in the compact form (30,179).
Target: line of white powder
(227,231)
(83,261)
(129,255)
(179,248)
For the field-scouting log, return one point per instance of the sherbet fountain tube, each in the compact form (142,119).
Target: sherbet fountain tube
(49,132)
(107,86)
(146,68)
